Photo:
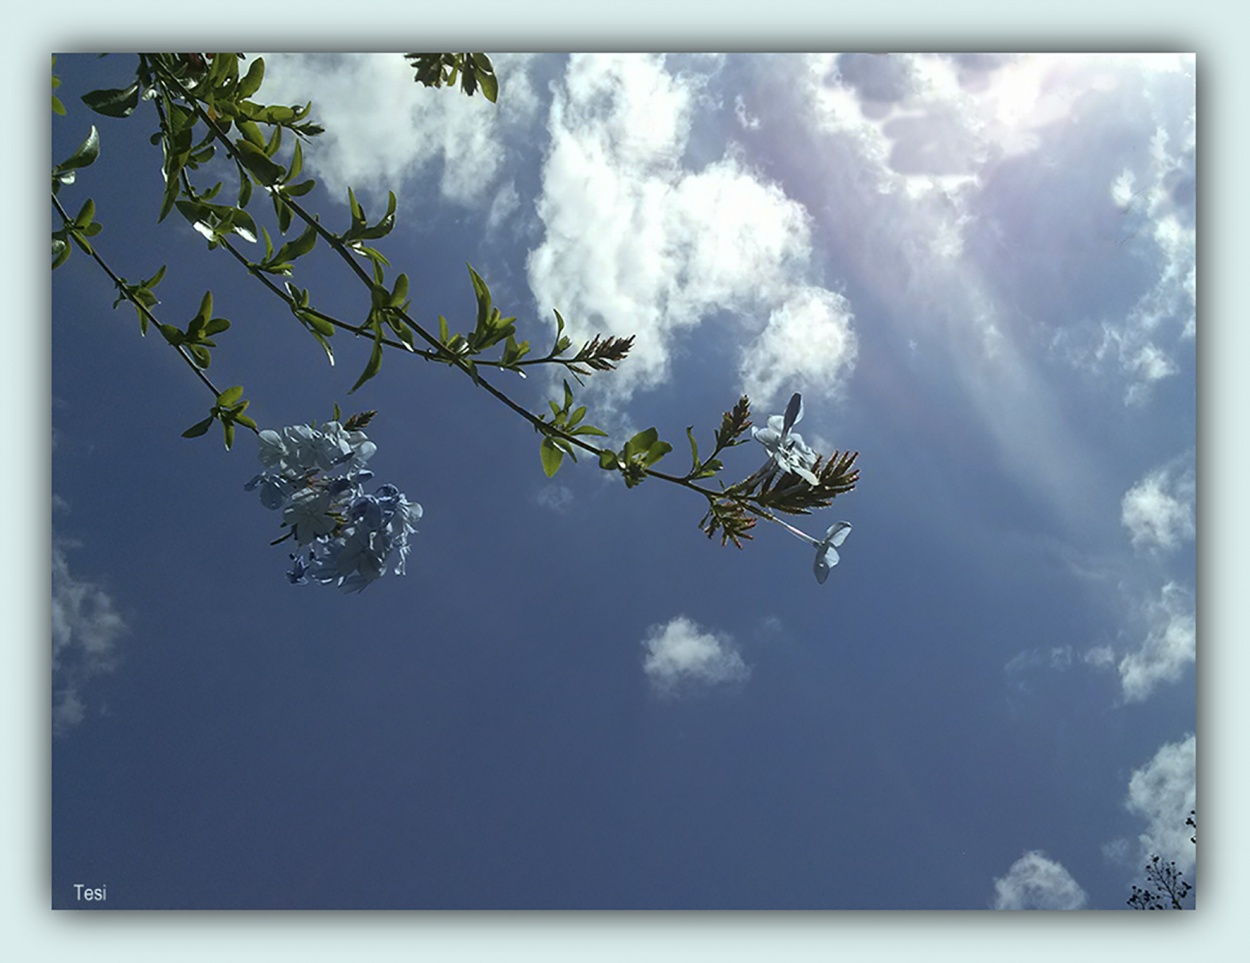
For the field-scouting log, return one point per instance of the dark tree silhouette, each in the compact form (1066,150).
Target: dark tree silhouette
(1164,887)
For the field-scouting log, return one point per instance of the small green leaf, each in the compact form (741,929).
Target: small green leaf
(657,451)
(551,456)
(85,154)
(199,427)
(694,448)
(609,460)
(400,293)
(86,214)
(113,103)
(206,308)
(640,443)
(252,81)
(230,396)
(258,162)
(371,369)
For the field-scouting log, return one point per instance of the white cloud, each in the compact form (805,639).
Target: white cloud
(1158,511)
(680,654)
(1169,647)
(383,128)
(1163,793)
(808,345)
(1036,882)
(637,244)
(85,628)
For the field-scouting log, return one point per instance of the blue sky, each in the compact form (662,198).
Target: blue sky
(980,273)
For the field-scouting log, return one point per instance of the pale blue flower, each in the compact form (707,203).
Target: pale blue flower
(827,549)
(274,489)
(308,514)
(786,449)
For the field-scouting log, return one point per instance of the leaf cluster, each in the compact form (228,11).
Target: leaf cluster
(197,338)
(228,409)
(474,70)
(566,423)
(639,454)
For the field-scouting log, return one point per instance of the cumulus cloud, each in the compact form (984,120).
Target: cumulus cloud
(636,243)
(1037,883)
(85,629)
(1163,793)
(382,128)
(807,344)
(1158,511)
(1169,647)
(681,655)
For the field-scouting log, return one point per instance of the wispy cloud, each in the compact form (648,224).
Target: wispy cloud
(680,655)
(637,243)
(1036,882)
(1169,646)
(555,497)
(85,629)
(1159,510)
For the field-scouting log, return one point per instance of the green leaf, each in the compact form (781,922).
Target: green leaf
(86,214)
(371,369)
(199,427)
(60,252)
(258,162)
(484,71)
(551,456)
(384,226)
(656,452)
(113,103)
(483,297)
(171,195)
(85,154)
(252,133)
(589,430)
(300,246)
(609,460)
(400,293)
(206,308)
(694,448)
(300,189)
(227,428)
(230,396)
(242,224)
(640,443)
(252,81)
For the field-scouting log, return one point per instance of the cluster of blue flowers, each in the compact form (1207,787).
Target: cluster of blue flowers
(316,477)
(789,454)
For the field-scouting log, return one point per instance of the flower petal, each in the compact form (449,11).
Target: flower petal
(837,533)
